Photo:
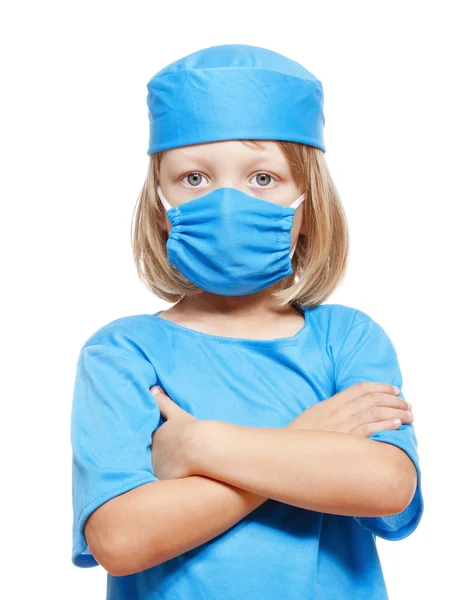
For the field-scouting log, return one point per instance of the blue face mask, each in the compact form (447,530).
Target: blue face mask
(230,243)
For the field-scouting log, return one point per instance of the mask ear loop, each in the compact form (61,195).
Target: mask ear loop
(296,204)
(165,202)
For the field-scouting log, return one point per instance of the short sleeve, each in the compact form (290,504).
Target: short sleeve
(113,417)
(368,354)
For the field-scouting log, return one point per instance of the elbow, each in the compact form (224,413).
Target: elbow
(131,553)
(113,556)
(122,560)
(117,563)
(103,549)
(407,483)
(404,482)
(111,560)
(117,543)
(397,479)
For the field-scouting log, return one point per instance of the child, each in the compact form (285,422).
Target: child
(255,473)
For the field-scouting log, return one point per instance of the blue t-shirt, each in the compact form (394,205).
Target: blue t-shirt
(278,551)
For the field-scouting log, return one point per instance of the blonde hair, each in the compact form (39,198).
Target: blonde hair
(320,259)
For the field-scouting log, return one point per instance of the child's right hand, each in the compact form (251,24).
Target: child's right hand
(362,409)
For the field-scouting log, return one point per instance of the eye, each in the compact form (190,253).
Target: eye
(262,178)
(193,178)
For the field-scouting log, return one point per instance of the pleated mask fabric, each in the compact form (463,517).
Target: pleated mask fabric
(231,243)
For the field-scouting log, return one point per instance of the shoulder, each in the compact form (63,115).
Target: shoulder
(338,325)
(129,332)
(337,318)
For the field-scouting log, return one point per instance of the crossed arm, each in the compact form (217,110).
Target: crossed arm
(237,468)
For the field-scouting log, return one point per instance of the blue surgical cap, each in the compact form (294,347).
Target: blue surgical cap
(234,91)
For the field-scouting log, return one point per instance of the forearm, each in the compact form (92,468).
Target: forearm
(163,519)
(331,472)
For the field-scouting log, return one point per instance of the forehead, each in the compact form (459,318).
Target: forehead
(219,153)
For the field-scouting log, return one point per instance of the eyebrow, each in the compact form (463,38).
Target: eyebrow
(203,160)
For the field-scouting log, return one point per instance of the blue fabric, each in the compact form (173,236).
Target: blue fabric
(231,243)
(278,551)
(234,91)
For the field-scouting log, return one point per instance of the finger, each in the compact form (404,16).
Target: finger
(367,387)
(376,414)
(162,399)
(156,390)
(374,399)
(367,429)
(167,406)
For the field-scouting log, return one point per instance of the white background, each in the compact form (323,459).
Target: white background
(399,108)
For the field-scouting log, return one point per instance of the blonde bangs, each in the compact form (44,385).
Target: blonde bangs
(320,259)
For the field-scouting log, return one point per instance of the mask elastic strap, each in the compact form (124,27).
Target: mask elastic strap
(165,202)
(296,204)
(293,249)
(298,201)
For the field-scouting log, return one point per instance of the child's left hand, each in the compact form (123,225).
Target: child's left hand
(172,441)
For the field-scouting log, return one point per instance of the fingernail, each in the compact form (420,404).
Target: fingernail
(156,389)
(396,389)
(409,406)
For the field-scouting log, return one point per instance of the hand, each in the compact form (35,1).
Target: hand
(172,440)
(362,409)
